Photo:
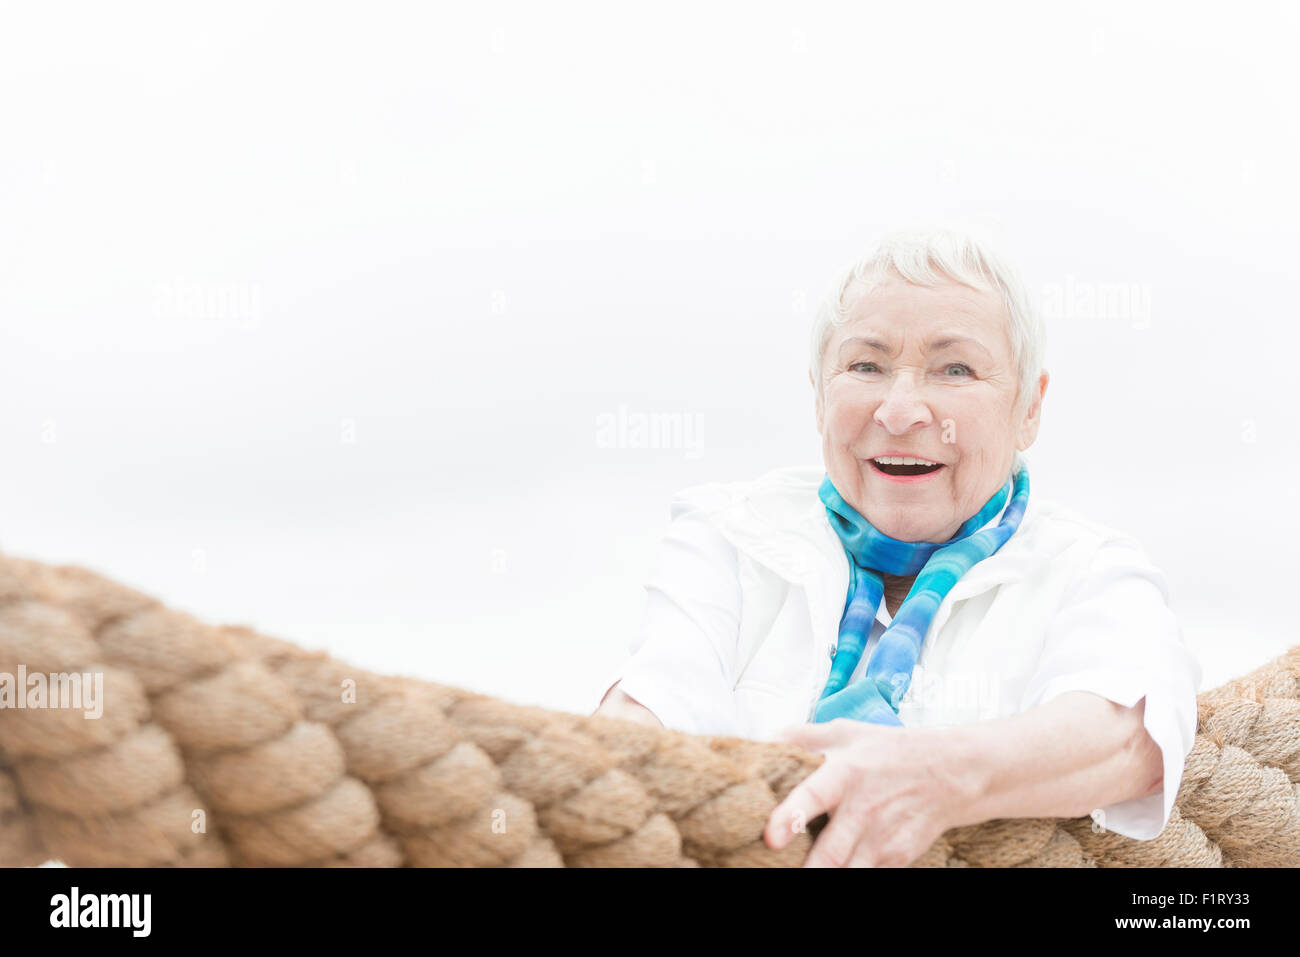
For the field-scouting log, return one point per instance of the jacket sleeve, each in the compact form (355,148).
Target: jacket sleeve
(1116,636)
(683,653)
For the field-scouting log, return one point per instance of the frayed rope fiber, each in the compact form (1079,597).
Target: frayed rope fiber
(218,746)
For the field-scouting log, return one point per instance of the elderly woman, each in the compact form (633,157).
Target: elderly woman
(959,649)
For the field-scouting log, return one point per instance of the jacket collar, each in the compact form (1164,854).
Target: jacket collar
(780,521)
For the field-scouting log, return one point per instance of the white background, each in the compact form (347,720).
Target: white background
(309,313)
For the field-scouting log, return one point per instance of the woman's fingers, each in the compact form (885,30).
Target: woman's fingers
(815,795)
(840,840)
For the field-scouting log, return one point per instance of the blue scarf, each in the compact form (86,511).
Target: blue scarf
(875,696)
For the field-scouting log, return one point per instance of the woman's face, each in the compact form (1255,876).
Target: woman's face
(927,373)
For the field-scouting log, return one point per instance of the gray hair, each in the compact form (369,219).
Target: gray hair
(927,258)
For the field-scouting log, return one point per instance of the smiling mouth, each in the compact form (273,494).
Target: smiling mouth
(899,465)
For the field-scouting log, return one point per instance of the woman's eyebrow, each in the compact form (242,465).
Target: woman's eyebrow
(860,341)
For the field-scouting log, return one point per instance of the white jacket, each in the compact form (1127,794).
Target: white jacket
(743,613)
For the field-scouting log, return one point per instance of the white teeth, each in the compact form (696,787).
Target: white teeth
(902,460)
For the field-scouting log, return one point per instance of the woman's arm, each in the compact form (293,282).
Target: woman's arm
(892,792)
(683,653)
(617,703)
(1067,758)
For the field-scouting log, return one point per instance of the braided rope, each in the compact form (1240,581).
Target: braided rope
(220,746)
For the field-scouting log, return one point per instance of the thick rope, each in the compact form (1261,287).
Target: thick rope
(220,746)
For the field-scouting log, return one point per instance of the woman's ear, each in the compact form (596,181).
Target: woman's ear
(1028,430)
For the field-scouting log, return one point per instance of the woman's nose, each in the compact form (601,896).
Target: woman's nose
(903,408)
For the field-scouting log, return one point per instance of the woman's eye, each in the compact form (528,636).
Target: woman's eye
(859,367)
(963,368)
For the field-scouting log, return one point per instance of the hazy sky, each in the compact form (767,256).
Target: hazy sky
(332,320)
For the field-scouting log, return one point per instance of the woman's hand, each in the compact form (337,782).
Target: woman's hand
(890,792)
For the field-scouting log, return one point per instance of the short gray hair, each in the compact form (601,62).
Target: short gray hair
(927,258)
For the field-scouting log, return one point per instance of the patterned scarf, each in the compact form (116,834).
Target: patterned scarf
(875,696)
